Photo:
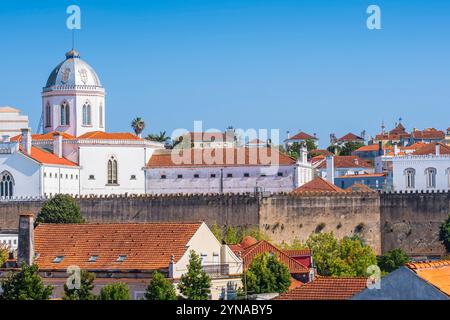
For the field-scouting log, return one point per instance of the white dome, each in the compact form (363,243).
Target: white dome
(73,73)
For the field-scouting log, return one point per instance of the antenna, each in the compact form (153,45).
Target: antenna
(73,38)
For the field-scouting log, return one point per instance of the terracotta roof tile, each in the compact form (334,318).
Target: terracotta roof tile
(318,184)
(45,157)
(436,273)
(431,149)
(429,133)
(222,157)
(45,136)
(326,288)
(147,246)
(100,135)
(297,252)
(350,137)
(301,136)
(347,162)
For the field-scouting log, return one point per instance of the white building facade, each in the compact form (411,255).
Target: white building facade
(11,121)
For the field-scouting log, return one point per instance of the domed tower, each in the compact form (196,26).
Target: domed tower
(73,100)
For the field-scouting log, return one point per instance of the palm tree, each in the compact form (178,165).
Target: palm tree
(161,137)
(138,125)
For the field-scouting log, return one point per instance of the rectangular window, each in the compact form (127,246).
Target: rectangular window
(121,258)
(229,175)
(93,258)
(246,175)
(91,177)
(180,176)
(196,176)
(213,175)
(280,174)
(163,176)
(133,177)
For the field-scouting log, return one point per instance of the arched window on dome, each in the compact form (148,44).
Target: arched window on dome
(112,171)
(410,175)
(100,116)
(87,114)
(430,174)
(65,114)
(48,115)
(6,184)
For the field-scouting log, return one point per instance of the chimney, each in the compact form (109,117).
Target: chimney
(380,148)
(438,149)
(57,144)
(330,169)
(26,239)
(396,150)
(303,157)
(26,140)
(288,134)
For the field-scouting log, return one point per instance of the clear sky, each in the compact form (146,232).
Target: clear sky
(300,64)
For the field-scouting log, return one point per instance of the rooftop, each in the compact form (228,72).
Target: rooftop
(318,184)
(436,273)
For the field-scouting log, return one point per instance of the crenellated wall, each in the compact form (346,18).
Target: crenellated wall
(386,221)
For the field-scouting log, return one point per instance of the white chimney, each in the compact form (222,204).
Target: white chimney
(438,149)
(330,169)
(57,144)
(26,140)
(303,157)
(396,150)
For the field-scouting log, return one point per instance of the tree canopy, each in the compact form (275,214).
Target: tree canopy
(25,284)
(266,274)
(84,292)
(115,291)
(160,288)
(392,260)
(233,235)
(444,233)
(195,283)
(60,209)
(346,257)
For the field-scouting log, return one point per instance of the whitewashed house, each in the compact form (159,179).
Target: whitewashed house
(428,168)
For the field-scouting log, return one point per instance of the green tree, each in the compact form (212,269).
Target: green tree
(138,125)
(347,257)
(84,292)
(267,274)
(349,147)
(392,260)
(25,284)
(195,283)
(336,150)
(4,254)
(444,233)
(217,231)
(60,209)
(160,288)
(160,137)
(115,291)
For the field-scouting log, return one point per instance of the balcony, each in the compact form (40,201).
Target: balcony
(217,270)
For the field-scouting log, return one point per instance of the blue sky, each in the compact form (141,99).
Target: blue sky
(310,65)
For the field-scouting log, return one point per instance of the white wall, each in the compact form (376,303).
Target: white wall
(206,184)
(9,240)
(94,161)
(420,164)
(57,180)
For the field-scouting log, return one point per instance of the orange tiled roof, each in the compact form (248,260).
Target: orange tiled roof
(318,184)
(221,157)
(297,252)
(302,136)
(436,273)
(326,288)
(147,246)
(100,135)
(359,187)
(365,175)
(429,133)
(45,157)
(431,149)
(248,253)
(350,137)
(45,136)
(347,162)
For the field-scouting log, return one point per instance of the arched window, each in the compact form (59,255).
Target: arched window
(65,114)
(410,178)
(48,115)
(112,171)
(430,175)
(87,114)
(100,116)
(6,184)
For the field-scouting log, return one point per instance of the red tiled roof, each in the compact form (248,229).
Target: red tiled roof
(347,162)
(372,147)
(320,152)
(302,136)
(297,252)
(248,253)
(147,246)
(350,137)
(45,157)
(326,288)
(437,273)
(318,184)
(45,136)
(429,133)
(222,157)
(431,149)
(359,187)
(366,175)
(100,135)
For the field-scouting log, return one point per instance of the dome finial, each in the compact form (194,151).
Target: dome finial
(72,54)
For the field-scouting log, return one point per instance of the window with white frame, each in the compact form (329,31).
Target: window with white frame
(430,174)
(6,184)
(48,115)
(65,114)
(410,176)
(87,121)
(112,171)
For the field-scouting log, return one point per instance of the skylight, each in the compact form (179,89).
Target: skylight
(121,258)
(93,258)
(58,259)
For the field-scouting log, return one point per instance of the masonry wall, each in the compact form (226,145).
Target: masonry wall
(290,217)
(411,221)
